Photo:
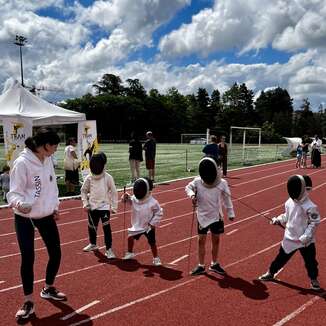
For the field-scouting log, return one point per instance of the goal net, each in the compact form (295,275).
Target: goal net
(195,138)
(245,142)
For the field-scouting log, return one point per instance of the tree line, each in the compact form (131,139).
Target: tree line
(122,108)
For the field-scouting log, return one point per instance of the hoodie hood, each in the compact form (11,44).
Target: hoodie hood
(30,156)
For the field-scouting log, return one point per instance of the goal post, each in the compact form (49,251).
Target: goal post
(247,137)
(195,138)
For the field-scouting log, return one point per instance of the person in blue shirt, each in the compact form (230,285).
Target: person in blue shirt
(211,149)
(299,156)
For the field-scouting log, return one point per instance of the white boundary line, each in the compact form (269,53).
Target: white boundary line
(83,308)
(298,311)
(174,262)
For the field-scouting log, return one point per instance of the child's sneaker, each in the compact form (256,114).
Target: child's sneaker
(268,276)
(217,269)
(110,254)
(315,285)
(157,261)
(128,255)
(198,270)
(90,247)
(52,293)
(25,311)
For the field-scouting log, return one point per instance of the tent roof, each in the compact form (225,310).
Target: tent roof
(17,101)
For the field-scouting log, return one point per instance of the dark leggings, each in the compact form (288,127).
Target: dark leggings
(308,254)
(93,220)
(48,230)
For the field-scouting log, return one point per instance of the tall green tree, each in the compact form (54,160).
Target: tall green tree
(110,84)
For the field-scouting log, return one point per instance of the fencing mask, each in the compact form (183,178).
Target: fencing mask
(209,170)
(308,182)
(296,187)
(142,187)
(97,163)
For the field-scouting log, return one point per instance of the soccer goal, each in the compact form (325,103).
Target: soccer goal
(245,140)
(195,138)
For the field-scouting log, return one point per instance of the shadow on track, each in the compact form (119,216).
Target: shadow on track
(255,290)
(132,265)
(54,319)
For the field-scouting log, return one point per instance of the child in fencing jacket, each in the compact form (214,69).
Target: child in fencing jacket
(100,198)
(300,219)
(146,214)
(210,193)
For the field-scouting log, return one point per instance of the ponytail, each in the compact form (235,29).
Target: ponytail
(42,137)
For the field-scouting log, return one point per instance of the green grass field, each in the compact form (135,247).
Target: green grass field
(172,160)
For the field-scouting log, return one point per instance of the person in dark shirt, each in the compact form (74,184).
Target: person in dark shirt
(150,152)
(223,155)
(212,148)
(135,157)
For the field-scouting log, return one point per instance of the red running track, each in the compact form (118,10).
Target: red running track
(103,292)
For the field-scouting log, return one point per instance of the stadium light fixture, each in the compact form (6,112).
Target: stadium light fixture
(21,41)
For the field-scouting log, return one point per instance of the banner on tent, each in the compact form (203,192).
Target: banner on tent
(15,132)
(87,143)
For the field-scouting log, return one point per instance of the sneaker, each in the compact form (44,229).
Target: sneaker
(217,269)
(128,255)
(110,254)
(25,311)
(157,261)
(315,285)
(268,276)
(198,270)
(52,293)
(90,247)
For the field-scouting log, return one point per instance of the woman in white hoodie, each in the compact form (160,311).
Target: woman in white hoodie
(33,196)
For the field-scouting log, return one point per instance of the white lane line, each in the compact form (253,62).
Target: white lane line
(174,262)
(83,308)
(126,305)
(233,231)
(131,303)
(163,226)
(299,310)
(1,282)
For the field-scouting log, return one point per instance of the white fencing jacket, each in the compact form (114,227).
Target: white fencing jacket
(99,192)
(33,182)
(143,213)
(300,220)
(210,201)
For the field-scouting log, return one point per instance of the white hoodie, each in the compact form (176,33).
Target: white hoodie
(33,182)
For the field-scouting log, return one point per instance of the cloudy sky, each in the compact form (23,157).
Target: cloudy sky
(183,43)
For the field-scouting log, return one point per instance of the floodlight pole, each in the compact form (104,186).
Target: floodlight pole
(20,41)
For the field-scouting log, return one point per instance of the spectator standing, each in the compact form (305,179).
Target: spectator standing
(305,151)
(212,148)
(223,152)
(34,198)
(135,157)
(150,152)
(71,166)
(4,181)
(315,153)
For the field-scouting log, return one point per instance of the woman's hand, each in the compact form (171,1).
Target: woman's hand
(24,208)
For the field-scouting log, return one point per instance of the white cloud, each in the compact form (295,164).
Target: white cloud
(250,25)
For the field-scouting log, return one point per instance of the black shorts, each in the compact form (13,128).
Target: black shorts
(216,228)
(72,176)
(149,235)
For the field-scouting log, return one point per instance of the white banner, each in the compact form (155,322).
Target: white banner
(15,132)
(87,143)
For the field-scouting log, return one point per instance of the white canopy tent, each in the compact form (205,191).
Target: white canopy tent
(16,101)
(293,143)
